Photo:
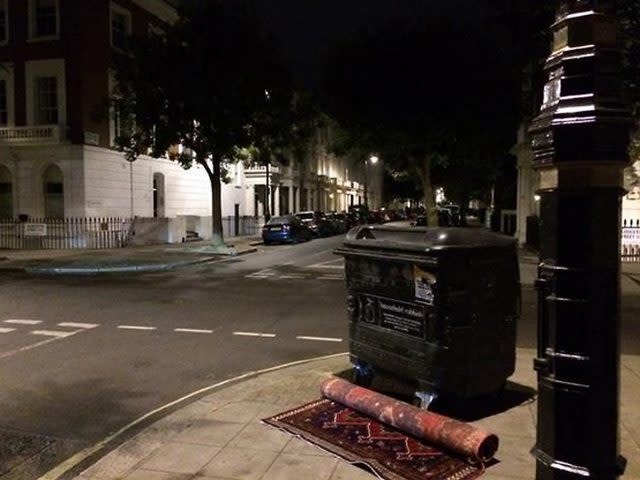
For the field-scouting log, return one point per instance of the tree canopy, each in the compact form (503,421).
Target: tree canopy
(426,94)
(214,84)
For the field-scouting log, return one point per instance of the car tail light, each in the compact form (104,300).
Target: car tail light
(265,228)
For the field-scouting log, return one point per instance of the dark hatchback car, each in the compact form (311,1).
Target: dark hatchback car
(318,223)
(287,228)
(444,219)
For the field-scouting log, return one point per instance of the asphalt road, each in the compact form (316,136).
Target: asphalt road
(81,357)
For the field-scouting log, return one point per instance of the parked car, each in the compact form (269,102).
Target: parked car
(444,219)
(348,219)
(326,226)
(454,211)
(309,219)
(360,213)
(379,216)
(283,229)
(339,222)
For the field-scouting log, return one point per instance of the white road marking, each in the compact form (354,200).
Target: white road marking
(319,339)
(135,327)
(331,277)
(266,272)
(34,345)
(23,322)
(331,264)
(293,276)
(254,334)
(6,330)
(52,333)
(191,330)
(86,326)
(323,252)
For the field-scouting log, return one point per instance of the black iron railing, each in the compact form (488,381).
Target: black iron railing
(241,225)
(630,248)
(64,233)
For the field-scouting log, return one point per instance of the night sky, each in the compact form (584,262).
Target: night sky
(306,28)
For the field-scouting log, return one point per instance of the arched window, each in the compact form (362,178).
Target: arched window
(53,192)
(6,193)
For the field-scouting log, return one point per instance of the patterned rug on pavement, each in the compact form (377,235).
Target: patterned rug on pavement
(391,454)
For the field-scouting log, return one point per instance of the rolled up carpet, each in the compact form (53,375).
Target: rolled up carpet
(438,430)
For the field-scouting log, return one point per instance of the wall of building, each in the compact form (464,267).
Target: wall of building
(528,184)
(28,165)
(631,201)
(107,178)
(85,76)
(98,180)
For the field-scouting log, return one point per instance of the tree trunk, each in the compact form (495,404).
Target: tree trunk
(217,234)
(303,175)
(464,205)
(424,169)
(267,194)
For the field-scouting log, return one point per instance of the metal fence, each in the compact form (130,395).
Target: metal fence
(64,233)
(630,250)
(241,225)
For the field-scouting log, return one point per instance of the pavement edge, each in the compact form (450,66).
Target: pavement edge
(88,456)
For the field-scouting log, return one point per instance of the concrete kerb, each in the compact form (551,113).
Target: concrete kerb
(130,268)
(83,459)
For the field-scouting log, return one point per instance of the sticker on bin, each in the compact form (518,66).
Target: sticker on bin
(402,317)
(424,283)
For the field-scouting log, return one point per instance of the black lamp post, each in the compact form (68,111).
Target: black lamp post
(267,194)
(580,140)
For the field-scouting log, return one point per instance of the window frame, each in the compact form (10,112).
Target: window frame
(43,109)
(4,86)
(6,76)
(115,122)
(52,198)
(119,10)
(119,124)
(33,18)
(5,41)
(46,68)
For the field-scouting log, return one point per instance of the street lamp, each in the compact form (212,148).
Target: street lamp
(580,141)
(373,159)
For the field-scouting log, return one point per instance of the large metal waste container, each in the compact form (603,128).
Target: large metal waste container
(437,307)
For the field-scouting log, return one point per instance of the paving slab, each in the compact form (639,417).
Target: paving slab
(221,437)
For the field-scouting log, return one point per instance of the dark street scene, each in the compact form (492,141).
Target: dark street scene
(319,240)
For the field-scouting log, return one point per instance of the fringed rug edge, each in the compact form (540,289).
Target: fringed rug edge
(375,467)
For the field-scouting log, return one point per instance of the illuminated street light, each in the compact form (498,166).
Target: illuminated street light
(373,159)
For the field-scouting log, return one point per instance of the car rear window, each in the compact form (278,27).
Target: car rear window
(305,216)
(279,220)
